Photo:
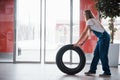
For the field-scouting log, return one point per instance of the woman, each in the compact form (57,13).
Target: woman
(101,50)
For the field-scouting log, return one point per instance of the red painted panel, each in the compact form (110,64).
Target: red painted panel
(90,44)
(6,25)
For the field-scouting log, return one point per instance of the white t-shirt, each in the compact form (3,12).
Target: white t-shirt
(95,25)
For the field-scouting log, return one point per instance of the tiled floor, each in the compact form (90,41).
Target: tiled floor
(23,71)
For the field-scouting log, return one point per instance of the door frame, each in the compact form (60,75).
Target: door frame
(15,38)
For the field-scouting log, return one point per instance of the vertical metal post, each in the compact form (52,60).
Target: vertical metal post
(71,26)
(44,29)
(40,29)
(14,49)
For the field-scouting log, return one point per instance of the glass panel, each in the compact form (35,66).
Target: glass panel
(57,27)
(6,30)
(28,30)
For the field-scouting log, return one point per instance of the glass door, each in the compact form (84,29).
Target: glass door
(28,30)
(57,28)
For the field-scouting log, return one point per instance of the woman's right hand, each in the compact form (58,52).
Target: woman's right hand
(78,44)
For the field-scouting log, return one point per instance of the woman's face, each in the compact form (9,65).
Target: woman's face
(84,14)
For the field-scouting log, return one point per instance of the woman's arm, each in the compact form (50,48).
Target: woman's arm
(84,36)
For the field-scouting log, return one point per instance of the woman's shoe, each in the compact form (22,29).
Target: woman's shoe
(105,75)
(90,73)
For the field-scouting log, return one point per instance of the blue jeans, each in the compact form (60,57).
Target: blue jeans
(101,52)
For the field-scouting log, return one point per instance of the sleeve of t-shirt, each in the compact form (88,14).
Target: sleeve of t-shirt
(89,22)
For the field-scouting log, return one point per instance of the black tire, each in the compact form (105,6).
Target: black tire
(61,65)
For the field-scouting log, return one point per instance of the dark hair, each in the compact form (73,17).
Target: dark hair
(88,14)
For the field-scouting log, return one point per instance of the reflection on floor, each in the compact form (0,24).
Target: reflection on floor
(23,71)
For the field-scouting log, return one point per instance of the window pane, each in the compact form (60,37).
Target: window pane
(6,30)
(28,30)
(57,27)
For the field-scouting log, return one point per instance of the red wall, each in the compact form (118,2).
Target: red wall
(89,46)
(6,25)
